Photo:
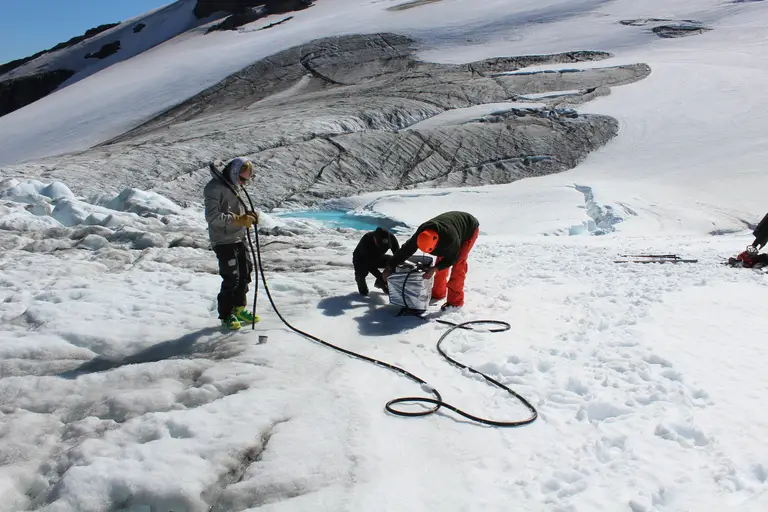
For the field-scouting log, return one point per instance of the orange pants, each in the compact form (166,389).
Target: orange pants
(455,284)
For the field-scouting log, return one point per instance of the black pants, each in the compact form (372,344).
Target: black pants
(364,267)
(235,268)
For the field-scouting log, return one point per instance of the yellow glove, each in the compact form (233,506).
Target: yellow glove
(244,221)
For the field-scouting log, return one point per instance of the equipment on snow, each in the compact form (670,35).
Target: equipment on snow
(449,237)
(652,258)
(749,258)
(408,288)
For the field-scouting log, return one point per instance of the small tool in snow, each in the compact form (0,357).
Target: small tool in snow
(652,258)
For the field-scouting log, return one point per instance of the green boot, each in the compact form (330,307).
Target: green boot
(231,323)
(245,317)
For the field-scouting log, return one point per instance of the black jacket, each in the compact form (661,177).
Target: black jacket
(761,233)
(453,229)
(369,252)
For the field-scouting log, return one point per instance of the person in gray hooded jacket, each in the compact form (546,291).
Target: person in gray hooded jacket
(228,222)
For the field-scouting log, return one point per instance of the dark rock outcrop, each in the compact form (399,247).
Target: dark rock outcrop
(5,68)
(669,28)
(410,5)
(245,15)
(288,18)
(205,8)
(239,19)
(19,92)
(641,22)
(105,51)
(679,30)
(139,27)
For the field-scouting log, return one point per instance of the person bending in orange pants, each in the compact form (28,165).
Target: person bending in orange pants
(449,237)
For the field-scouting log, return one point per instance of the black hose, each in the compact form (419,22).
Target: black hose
(405,283)
(464,325)
(439,403)
(436,402)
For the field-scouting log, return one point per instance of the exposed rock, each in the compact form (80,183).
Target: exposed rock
(411,5)
(244,14)
(205,8)
(669,28)
(105,51)
(139,27)
(88,34)
(283,6)
(645,21)
(276,23)
(19,92)
(679,30)
(239,19)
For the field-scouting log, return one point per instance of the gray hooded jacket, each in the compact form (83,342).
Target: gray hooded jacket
(221,206)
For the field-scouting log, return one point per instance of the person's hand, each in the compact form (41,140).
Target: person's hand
(429,273)
(255,216)
(244,221)
(385,274)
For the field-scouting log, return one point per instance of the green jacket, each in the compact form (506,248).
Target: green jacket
(453,229)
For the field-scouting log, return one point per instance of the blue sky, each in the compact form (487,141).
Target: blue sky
(28,26)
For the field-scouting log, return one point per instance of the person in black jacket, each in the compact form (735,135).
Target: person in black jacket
(370,255)
(752,257)
(450,237)
(761,233)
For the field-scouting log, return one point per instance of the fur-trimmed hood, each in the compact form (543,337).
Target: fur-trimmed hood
(230,171)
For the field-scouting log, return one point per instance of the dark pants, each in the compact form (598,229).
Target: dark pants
(235,270)
(365,267)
